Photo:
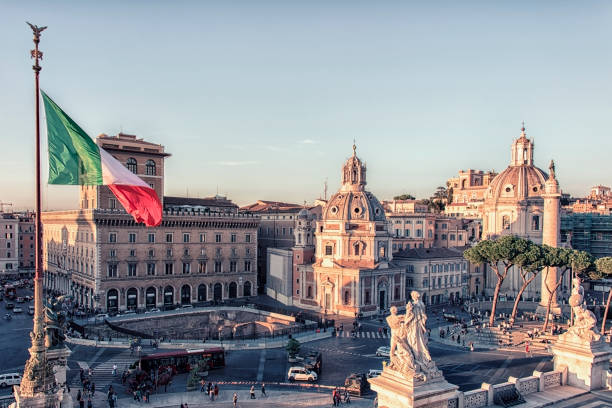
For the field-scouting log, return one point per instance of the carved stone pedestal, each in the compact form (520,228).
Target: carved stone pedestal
(38,400)
(395,390)
(587,362)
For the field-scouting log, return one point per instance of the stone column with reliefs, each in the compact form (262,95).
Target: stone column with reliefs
(550,236)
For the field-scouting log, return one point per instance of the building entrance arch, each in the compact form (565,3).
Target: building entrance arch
(247,289)
(217,291)
(202,293)
(168,296)
(185,295)
(112,301)
(233,290)
(150,298)
(131,298)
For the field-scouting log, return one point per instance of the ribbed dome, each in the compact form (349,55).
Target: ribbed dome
(354,205)
(517,183)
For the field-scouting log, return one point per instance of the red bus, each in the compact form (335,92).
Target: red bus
(182,361)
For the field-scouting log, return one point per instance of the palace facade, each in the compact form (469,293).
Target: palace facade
(203,250)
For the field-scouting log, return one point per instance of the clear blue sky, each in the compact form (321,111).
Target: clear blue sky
(263,98)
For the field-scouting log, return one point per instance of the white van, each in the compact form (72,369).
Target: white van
(10,379)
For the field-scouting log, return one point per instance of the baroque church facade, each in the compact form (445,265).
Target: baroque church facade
(522,200)
(353,271)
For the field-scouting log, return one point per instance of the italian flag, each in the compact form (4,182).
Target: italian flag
(75,159)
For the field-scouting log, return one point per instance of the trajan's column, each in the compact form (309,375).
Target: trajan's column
(551,236)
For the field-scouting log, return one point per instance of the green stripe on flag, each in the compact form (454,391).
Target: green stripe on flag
(74,158)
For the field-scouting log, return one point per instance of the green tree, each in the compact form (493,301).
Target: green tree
(293,347)
(404,197)
(529,263)
(604,267)
(564,260)
(501,255)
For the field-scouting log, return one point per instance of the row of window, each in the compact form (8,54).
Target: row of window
(151,237)
(418,222)
(279,231)
(418,233)
(151,268)
(440,282)
(150,167)
(186,252)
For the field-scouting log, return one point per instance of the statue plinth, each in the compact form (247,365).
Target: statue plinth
(396,390)
(38,400)
(587,362)
(582,350)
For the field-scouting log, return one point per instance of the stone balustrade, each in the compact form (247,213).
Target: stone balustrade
(485,395)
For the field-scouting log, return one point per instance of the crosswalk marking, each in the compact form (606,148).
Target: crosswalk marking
(365,335)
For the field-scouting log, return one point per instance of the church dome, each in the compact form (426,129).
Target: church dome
(521,180)
(303,214)
(352,201)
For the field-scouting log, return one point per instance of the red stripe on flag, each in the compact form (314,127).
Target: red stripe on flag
(141,202)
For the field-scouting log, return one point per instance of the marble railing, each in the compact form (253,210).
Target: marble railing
(485,395)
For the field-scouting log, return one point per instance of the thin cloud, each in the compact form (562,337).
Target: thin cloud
(237,163)
(274,148)
(308,141)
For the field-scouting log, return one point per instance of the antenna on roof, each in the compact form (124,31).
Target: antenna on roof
(325,189)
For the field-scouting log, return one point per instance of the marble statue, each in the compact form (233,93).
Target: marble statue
(55,322)
(409,353)
(584,328)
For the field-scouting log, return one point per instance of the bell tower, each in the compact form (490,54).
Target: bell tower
(353,173)
(522,150)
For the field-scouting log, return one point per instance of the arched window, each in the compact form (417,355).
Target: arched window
(132,165)
(246,289)
(150,168)
(112,300)
(150,298)
(356,249)
(347,297)
(168,296)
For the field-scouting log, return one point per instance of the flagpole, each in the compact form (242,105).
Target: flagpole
(38,377)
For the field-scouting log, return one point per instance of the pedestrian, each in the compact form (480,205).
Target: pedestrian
(527,350)
(114,370)
(216,391)
(458,339)
(202,385)
(93,388)
(90,372)
(186,405)
(89,404)
(79,395)
(235,400)
(471,346)
(252,392)
(148,395)
(208,387)
(211,394)
(114,399)
(334,398)
(347,397)
(263,390)
(81,403)
(182,405)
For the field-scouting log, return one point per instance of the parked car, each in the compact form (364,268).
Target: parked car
(20,300)
(31,310)
(154,310)
(383,351)
(357,384)
(10,379)
(301,374)
(9,306)
(187,307)
(17,310)
(374,373)
(312,361)
(102,316)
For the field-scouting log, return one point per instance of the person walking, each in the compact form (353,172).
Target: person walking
(114,370)
(252,392)
(78,395)
(93,388)
(347,397)
(216,391)
(148,395)
(263,390)
(89,403)
(211,394)
(527,350)
(235,400)
(81,403)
